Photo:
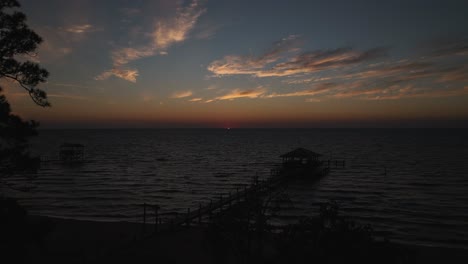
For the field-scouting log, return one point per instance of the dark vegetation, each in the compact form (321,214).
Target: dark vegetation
(245,235)
(17,42)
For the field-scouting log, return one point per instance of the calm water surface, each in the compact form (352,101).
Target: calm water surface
(410,184)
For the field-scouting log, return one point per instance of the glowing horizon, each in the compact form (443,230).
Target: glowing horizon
(219,64)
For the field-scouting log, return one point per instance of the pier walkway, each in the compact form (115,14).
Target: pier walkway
(276,179)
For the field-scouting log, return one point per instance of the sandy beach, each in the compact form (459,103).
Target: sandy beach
(75,241)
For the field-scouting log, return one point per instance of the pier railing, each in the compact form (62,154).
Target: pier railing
(257,187)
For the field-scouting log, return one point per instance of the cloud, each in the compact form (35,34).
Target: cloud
(403,69)
(346,73)
(456,74)
(80,29)
(123,56)
(360,92)
(272,63)
(316,61)
(307,80)
(195,99)
(169,32)
(207,31)
(56,44)
(238,93)
(234,64)
(357,89)
(409,92)
(448,47)
(363,90)
(126,74)
(212,87)
(61,41)
(165,33)
(182,94)
(320,89)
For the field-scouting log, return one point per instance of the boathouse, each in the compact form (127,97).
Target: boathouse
(301,157)
(71,152)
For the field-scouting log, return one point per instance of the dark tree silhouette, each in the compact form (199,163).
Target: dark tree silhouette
(17,42)
(14,156)
(17,39)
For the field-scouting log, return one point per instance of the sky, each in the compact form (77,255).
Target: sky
(217,63)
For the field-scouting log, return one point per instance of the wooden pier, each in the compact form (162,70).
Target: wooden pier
(69,153)
(259,187)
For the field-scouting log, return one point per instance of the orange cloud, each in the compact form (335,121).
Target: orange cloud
(233,64)
(307,62)
(126,74)
(165,34)
(182,94)
(237,93)
(455,75)
(320,89)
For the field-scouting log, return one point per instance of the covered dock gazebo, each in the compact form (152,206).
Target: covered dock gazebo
(300,157)
(71,152)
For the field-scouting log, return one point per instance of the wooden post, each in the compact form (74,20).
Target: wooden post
(230,199)
(144,217)
(220,202)
(156,218)
(245,193)
(237,194)
(210,209)
(199,213)
(187,217)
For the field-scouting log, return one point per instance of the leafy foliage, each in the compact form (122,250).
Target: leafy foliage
(17,39)
(245,233)
(14,132)
(332,238)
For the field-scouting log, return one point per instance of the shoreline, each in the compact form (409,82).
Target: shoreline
(82,241)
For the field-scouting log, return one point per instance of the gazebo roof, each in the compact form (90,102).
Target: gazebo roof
(301,153)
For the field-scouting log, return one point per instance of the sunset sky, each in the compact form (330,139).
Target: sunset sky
(217,63)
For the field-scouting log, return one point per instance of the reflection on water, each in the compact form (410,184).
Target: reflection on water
(411,183)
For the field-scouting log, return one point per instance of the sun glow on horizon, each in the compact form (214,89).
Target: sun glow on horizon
(187,64)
